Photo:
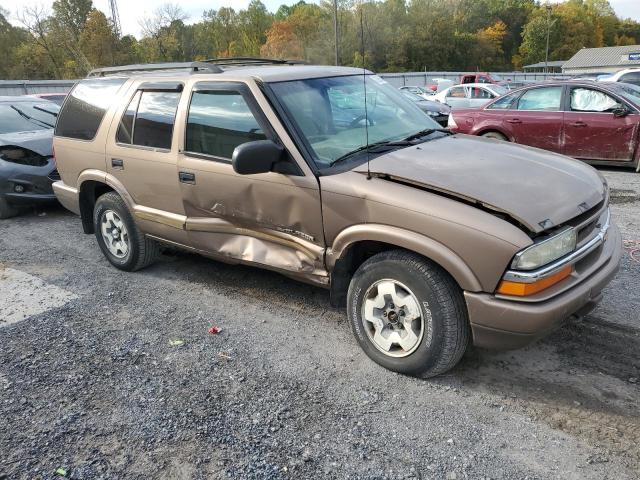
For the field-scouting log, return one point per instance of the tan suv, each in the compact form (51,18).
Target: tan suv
(329,175)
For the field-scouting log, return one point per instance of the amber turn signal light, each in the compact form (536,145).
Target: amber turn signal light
(525,289)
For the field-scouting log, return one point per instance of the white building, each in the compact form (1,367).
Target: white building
(603,60)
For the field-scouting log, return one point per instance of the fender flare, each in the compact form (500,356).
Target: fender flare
(421,244)
(107,179)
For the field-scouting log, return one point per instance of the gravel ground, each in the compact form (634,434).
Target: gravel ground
(114,375)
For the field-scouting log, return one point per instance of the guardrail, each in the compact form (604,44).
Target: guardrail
(29,87)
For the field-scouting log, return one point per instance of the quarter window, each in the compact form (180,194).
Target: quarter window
(219,121)
(85,107)
(588,100)
(503,103)
(547,99)
(148,120)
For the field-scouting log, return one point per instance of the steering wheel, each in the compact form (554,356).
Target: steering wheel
(356,121)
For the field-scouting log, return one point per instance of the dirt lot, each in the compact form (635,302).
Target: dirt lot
(113,375)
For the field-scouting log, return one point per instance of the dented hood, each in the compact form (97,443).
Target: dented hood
(39,141)
(539,189)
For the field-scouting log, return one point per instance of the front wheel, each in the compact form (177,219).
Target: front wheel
(408,314)
(6,210)
(495,135)
(120,240)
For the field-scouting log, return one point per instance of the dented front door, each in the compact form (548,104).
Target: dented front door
(272,219)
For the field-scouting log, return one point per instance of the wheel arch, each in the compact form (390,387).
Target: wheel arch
(357,243)
(91,185)
(482,131)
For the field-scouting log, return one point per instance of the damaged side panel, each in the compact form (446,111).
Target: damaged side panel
(268,219)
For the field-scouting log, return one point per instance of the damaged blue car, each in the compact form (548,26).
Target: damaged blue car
(27,164)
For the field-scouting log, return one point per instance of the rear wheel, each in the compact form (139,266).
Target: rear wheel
(408,314)
(495,135)
(120,240)
(6,210)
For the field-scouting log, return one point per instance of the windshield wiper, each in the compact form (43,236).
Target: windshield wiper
(24,115)
(424,133)
(371,147)
(36,107)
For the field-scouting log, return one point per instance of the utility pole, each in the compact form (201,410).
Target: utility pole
(546,56)
(335,28)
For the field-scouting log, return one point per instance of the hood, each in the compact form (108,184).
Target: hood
(537,188)
(431,106)
(39,141)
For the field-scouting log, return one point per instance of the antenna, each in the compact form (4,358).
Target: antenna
(364,84)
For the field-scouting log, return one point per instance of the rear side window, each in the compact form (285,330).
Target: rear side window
(219,121)
(85,107)
(148,120)
(457,92)
(547,99)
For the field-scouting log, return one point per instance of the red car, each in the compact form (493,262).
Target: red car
(596,122)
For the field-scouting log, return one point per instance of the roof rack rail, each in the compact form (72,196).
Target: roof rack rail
(151,67)
(252,61)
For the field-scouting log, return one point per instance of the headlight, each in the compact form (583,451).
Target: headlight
(433,114)
(546,251)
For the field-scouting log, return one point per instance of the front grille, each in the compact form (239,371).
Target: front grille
(54,176)
(587,232)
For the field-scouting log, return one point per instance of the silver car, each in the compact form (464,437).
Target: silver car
(470,95)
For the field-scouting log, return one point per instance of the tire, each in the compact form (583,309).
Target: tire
(126,248)
(440,334)
(495,135)
(6,210)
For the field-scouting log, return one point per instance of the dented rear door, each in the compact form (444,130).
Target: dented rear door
(272,219)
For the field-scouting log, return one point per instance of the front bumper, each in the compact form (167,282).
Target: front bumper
(506,324)
(34,183)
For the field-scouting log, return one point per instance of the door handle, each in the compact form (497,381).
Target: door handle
(578,124)
(514,120)
(117,163)
(187,177)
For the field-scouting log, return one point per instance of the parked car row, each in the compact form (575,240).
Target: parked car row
(594,121)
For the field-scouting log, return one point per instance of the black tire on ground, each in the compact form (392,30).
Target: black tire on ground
(496,135)
(6,210)
(142,251)
(442,309)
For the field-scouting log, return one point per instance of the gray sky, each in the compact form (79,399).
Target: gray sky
(132,10)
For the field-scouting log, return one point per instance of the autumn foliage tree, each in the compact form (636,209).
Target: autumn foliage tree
(397,35)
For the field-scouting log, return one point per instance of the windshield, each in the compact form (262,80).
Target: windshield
(629,92)
(27,116)
(330,114)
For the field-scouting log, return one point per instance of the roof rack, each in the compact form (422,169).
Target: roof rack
(251,61)
(154,67)
(211,65)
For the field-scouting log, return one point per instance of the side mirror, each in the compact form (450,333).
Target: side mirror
(256,157)
(620,111)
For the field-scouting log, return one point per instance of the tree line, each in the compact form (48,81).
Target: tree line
(390,35)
